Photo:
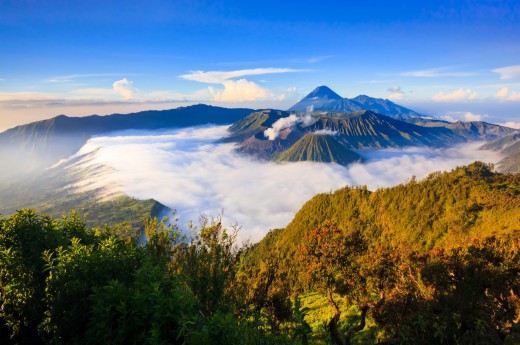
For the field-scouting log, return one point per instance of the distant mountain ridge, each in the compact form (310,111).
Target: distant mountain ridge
(324,99)
(39,144)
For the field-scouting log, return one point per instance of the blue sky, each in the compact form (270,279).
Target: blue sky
(450,59)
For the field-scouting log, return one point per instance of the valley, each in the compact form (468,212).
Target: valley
(155,169)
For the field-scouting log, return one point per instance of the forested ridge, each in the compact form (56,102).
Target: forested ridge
(435,261)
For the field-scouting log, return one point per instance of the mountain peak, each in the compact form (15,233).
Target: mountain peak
(323,92)
(324,99)
(361,98)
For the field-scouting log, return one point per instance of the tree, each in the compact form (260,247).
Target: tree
(24,237)
(467,294)
(330,259)
(208,264)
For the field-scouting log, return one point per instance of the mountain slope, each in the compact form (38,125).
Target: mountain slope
(443,210)
(318,148)
(358,130)
(40,144)
(324,99)
(385,107)
(254,123)
(472,130)
(52,192)
(366,129)
(259,146)
(510,147)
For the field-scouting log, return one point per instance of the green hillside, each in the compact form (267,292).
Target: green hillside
(369,254)
(441,210)
(318,148)
(50,192)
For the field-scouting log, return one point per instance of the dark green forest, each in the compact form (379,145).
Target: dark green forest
(435,261)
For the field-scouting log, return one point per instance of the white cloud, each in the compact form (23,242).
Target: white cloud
(71,77)
(442,72)
(188,171)
(462,116)
(197,96)
(122,87)
(457,95)
(325,131)
(80,101)
(511,124)
(396,93)
(286,122)
(218,77)
(396,96)
(382,81)
(241,90)
(26,96)
(95,92)
(125,88)
(319,58)
(509,72)
(472,117)
(515,96)
(504,95)
(289,93)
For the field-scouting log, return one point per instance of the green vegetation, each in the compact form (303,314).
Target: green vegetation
(319,148)
(429,262)
(120,209)
(442,210)
(62,283)
(51,192)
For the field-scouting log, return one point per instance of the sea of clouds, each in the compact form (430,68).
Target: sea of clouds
(190,171)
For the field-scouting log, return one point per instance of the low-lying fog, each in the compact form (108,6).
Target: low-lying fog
(189,171)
